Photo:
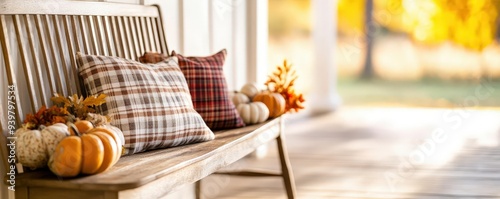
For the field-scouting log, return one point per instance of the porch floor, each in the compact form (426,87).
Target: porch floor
(380,153)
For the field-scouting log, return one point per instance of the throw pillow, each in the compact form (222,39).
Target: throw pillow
(151,103)
(208,88)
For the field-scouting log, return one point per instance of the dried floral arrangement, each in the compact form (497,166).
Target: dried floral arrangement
(78,106)
(282,81)
(46,117)
(67,109)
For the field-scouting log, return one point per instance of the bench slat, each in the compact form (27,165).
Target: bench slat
(10,75)
(36,60)
(25,63)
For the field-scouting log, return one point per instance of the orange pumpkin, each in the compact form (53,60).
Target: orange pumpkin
(93,152)
(67,159)
(83,126)
(274,102)
(116,139)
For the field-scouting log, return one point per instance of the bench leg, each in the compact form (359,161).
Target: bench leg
(197,189)
(286,169)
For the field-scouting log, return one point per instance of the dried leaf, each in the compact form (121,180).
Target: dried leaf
(60,100)
(94,100)
(78,106)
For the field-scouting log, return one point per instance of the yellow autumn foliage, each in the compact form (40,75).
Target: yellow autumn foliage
(469,23)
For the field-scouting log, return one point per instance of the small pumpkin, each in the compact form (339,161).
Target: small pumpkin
(119,135)
(83,126)
(115,134)
(253,113)
(67,159)
(274,102)
(239,98)
(34,147)
(250,90)
(52,135)
(93,152)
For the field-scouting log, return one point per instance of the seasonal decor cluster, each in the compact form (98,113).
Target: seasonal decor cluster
(282,81)
(70,137)
(255,105)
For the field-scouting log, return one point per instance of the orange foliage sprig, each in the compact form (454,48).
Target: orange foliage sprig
(282,81)
(78,106)
(46,116)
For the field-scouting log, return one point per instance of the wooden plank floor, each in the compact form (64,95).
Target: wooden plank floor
(380,153)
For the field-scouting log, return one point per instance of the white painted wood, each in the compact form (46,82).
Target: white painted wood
(239,35)
(171,15)
(195,27)
(124,1)
(324,96)
(221,30)
(257,40)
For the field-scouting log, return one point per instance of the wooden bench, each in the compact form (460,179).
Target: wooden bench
(38,45)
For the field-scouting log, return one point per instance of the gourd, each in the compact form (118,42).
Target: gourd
(93,152)
(239,98)
(253,113)
(273,101)
(34,147)
(250,90)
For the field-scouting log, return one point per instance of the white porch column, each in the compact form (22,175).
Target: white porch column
(257,40)
(324,97)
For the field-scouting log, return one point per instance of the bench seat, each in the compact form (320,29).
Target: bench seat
(169,168)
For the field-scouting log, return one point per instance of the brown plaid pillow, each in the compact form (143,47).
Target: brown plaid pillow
(208,89)
(151,104)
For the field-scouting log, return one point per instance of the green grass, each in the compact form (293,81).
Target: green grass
(424,93)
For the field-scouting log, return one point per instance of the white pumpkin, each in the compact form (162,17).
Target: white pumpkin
(30,150)
(52,135)
(239,98)
(250,90)
(34,147)
(253,113)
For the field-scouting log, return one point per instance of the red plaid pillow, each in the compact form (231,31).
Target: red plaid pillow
(208,89)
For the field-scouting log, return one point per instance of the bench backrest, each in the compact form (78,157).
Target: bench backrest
(39,41)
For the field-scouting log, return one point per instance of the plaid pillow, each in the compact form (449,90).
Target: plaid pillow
(209,92)
(149,103)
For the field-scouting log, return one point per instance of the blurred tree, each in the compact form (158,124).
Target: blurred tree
(498,27)
(369,31)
